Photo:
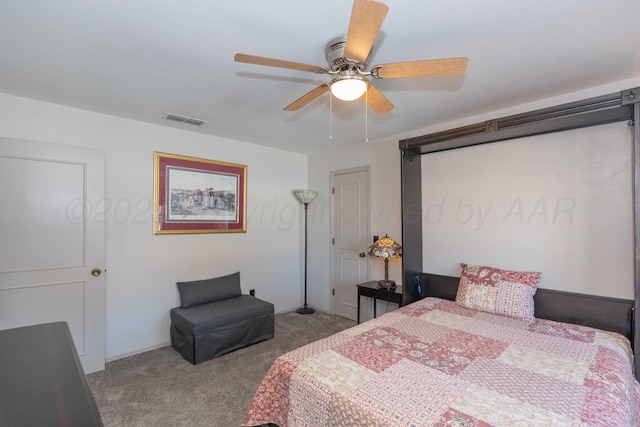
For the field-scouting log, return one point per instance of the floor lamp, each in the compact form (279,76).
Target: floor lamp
(305,196)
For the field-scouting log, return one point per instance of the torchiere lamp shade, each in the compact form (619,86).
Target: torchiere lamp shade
(386,248)
(305,196)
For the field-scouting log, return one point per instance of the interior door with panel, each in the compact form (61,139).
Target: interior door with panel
(52,245)
(350,239)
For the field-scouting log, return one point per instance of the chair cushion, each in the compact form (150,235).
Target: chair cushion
(217,314)
(200,292)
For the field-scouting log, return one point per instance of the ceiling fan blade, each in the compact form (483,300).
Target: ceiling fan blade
(270,62)
(427,67)
(307,98)
(377,100)
(366,19)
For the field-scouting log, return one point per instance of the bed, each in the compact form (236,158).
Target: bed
(437,363)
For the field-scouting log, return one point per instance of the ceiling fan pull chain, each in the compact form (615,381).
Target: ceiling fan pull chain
(330,114)
(366,117)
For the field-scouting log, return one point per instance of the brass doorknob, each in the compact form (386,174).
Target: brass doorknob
(362,254)
(96,272)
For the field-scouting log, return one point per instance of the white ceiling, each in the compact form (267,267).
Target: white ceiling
(140,59)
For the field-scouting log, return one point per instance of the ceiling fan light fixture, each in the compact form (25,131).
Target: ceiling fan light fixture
(348,88)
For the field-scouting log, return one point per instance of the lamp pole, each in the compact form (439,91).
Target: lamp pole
(386,269)
(305,309)
(305,196)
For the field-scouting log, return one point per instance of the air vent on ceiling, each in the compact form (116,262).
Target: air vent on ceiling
(185,119)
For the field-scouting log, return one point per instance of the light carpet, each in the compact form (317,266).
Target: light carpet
(159,388)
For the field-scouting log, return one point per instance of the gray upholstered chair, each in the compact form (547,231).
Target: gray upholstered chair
(216,318)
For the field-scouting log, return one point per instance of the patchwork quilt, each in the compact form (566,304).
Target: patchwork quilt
(434,363)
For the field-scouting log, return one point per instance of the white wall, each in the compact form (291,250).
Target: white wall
(558,203)
(383,155)
(142,269)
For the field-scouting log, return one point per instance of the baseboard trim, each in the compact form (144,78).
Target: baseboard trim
(133,353)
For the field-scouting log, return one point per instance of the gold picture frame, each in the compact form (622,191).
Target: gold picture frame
(195,195)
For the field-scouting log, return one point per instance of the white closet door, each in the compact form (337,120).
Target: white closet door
(52,244)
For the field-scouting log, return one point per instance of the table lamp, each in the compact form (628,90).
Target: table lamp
(386,248)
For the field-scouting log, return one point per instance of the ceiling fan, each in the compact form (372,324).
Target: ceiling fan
(347,56)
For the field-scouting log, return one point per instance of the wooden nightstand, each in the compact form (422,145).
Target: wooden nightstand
(371,290)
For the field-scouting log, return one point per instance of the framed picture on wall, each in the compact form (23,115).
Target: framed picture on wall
(193,195)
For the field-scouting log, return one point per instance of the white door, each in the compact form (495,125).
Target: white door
(52,238)
(350,238)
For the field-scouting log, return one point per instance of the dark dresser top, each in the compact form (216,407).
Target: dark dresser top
(42,382)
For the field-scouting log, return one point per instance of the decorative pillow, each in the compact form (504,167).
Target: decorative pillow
(504,292)
(205,291)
